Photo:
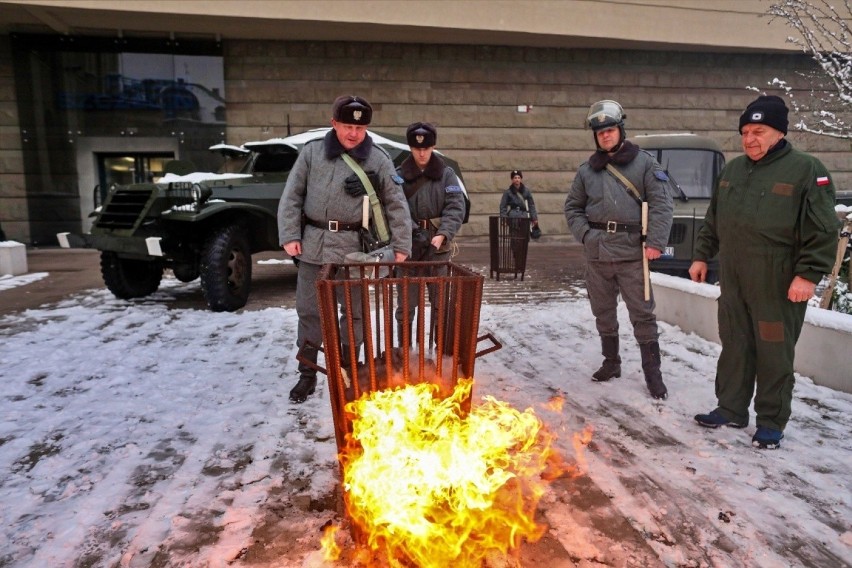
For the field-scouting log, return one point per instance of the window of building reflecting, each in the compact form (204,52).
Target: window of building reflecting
(129,107)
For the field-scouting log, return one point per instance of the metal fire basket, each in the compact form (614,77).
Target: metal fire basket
(368,305)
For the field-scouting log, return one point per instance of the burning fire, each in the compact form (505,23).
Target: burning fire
(428,485)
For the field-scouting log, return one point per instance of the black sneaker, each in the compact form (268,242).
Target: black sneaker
(713,420)
(767,438)
(303,389)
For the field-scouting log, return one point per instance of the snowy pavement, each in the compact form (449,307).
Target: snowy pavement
(138,434)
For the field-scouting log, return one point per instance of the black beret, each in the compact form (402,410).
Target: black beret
(769,110)
(518,173)
(350,109)
(421,135)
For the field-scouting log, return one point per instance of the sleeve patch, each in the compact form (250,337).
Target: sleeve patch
(823,180)
(397,179)
(661,175)
(452,189)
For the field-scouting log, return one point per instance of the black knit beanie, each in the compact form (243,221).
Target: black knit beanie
(769,110)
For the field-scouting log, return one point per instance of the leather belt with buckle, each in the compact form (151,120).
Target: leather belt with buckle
(616,227)
(333,226)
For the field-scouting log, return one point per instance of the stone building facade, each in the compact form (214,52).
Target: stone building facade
(500,105)
(473,93)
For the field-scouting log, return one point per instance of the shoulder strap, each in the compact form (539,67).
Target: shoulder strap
(414,186)
(378,215)
(627,183)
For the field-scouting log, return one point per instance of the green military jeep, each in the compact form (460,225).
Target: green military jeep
(202,224)
(693,163)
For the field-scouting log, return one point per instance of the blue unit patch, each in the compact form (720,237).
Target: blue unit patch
(661,175)
(453,189)
(397,179)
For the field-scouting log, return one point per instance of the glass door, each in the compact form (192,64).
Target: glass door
(124,169)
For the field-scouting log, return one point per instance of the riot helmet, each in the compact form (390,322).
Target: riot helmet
(606,114)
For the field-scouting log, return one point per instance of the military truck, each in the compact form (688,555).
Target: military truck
(693,164)
(202,224)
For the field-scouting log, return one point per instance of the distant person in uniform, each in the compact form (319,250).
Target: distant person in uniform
(518,203)
(325,193)
(604,212)
(772,222)
(436,202)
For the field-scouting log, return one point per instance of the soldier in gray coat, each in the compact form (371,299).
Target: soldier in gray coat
(437,206)
(605,215)
(325,196)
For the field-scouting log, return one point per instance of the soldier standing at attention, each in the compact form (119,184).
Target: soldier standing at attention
(604,212)
(437,207)
(772,222)
(325,190)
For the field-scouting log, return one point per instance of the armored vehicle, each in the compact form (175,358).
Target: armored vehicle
(693,163)
(199,224)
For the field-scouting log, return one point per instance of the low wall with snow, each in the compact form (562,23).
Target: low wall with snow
(824,350)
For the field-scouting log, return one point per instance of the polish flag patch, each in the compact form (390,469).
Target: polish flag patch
(822,180)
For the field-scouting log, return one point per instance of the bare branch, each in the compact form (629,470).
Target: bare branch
(825,34)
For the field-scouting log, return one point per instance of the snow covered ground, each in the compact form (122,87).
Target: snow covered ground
(135,434)
(7,281)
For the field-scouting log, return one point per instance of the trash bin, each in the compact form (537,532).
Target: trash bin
(510,239)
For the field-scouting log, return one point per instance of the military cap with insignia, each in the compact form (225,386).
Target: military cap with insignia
(351,109)
(421,135)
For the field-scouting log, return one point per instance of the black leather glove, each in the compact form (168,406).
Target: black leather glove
(353,186)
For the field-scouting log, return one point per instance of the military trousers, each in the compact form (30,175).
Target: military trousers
(604,282)
(410,292)
(307,308)
(758,328)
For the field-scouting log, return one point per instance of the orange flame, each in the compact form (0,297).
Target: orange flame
(555,404)
(429,485)
(330,549)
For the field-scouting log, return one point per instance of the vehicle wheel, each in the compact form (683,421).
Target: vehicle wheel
(226,269)
(186,272)
(129,278)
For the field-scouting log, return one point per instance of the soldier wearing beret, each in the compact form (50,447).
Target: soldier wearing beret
(324,191)
(772,222)
(437,206)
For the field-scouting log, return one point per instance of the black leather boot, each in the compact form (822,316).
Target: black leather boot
(651,368)
(611,367)
(307,378)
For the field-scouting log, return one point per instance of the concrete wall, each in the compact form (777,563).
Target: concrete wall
(677,25)
(822,352)
(473,93)
(13,195)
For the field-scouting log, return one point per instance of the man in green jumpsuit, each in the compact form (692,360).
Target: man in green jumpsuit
(772,222)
